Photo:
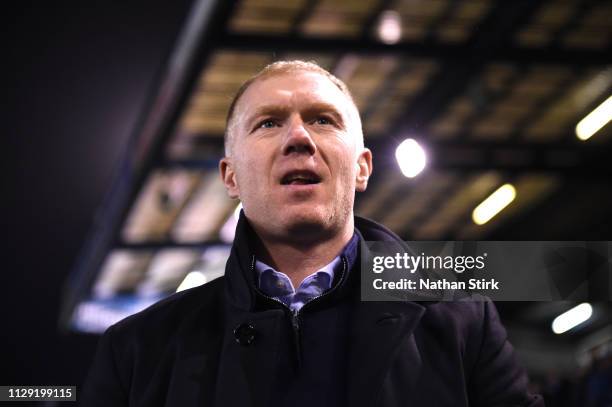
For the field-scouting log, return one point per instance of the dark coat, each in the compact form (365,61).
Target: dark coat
(183,352)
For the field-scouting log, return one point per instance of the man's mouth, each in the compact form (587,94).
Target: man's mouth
(300,178)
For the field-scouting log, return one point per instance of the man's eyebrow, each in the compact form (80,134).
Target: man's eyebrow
(266,110)
(313,108)
(324,107)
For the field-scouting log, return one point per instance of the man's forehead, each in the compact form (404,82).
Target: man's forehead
(287,87)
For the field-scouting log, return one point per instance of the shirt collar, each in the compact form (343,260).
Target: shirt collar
(349,252)
(329,269)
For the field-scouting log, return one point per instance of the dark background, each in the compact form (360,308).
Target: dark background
(78,74)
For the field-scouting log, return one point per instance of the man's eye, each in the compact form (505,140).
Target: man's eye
(323,120)
(267,124)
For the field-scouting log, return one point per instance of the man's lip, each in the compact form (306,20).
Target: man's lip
(300,186)
(300,190)
(308,177)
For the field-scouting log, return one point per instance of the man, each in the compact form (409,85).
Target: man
(285,326)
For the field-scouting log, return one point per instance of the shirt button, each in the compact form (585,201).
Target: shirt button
(280,283)
(245,334)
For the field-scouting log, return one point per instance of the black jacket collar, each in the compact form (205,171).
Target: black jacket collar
(239,271)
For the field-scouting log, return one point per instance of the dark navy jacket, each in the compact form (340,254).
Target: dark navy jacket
(187,351)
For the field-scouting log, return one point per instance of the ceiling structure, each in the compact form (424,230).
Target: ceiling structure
(492,90)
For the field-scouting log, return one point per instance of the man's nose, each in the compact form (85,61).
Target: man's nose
(298,140)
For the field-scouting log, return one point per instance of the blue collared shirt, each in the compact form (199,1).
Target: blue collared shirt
(278,285)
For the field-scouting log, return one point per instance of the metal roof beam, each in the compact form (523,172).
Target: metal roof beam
(437,51)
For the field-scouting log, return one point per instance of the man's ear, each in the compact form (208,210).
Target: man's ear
(228,176)
(364,162)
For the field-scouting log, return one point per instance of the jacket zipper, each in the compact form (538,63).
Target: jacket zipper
(295,316)
(297,338)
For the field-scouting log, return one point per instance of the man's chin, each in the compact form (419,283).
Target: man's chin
(306,226)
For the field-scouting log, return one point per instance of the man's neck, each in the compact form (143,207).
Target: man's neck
(298,259)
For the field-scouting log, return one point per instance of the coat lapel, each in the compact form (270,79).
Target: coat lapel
(377,330)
